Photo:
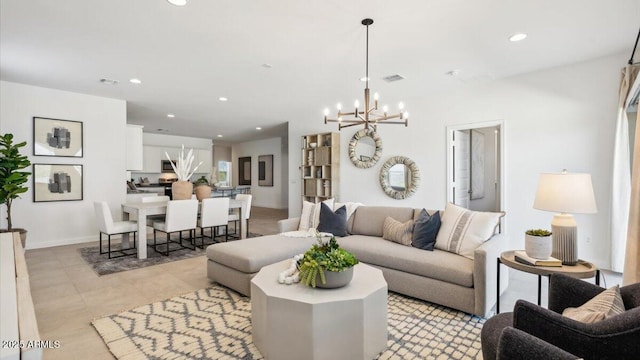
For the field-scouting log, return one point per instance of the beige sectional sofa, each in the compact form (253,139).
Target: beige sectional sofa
(436,276)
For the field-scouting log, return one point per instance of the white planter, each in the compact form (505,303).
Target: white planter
(538,247)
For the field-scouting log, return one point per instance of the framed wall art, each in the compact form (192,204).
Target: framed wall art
(56,137)
(244,170)
(265,170)
(57,182)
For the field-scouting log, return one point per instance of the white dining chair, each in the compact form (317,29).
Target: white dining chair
(214,213)
(182,215)
(155,199)
(107,226)
(246,214)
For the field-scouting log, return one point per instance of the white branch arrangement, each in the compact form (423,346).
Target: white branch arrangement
(183,168)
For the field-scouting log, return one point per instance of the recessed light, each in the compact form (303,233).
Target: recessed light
(178,2)
(222,98)
(171,115)
(135,81)
(258,128)
(219,135)
(109,81)
(517,37)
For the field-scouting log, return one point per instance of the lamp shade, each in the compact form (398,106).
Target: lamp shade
(565,193)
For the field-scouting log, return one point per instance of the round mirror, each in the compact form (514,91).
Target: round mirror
(365,148)
(399,177)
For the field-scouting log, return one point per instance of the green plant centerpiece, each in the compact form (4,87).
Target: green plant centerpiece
(538,232)
(328,262)
(12,179)
(202,180)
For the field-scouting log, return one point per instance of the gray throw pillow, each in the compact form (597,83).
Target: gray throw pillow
(333,222)
(425,230)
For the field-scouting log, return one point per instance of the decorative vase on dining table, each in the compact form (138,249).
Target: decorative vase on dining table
(203,192)
(182,190)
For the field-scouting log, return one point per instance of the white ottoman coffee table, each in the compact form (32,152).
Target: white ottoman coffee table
(299,322)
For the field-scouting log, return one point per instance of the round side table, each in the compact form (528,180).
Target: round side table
(582,270)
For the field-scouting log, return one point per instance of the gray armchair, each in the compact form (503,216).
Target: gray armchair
(613,338)
(515,344)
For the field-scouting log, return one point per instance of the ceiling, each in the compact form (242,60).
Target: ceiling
(187,57)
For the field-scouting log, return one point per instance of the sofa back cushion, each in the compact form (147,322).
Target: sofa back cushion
(369,220)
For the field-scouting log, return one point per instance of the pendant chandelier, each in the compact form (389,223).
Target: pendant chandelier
(369,115)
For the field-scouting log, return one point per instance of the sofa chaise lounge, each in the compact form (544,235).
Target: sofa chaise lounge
(436,276)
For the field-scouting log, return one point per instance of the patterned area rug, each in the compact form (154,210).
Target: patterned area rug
(215,323)
(102,265)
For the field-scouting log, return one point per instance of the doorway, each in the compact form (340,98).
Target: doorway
(475,166)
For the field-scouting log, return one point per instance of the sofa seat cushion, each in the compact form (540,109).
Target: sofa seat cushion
(437,264)
(250,255)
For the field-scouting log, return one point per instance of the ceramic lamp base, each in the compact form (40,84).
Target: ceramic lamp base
(565,239)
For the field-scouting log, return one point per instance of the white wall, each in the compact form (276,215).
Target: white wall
(560,118)
(263,196)
(104,161)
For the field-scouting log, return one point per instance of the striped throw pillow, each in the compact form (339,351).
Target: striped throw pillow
(396,231)
(462,231)
(602,306)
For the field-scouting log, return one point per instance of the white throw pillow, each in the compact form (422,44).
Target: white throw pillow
(463,230)
(351,207)
(310,216)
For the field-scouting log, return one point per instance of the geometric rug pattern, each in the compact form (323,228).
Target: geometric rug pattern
(215,323)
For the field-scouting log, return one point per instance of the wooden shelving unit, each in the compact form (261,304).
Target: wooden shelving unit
(320,166)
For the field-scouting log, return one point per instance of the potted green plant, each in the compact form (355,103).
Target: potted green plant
(203,190)
(12,180)
(328,262)
(537,243)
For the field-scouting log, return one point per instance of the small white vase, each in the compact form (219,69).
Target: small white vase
(538,247)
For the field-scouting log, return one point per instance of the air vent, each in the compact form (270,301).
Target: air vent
(109,81)
(392,78)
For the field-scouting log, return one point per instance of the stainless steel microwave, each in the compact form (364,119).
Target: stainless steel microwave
(166,167)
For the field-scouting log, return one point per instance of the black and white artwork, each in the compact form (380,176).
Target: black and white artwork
(57,182)
(265,170)
(56,137)
(244,170)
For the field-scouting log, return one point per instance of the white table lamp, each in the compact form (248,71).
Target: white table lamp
(565,194)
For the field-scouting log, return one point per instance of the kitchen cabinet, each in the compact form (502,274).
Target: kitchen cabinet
(206,166)
(152,155)
(134,149)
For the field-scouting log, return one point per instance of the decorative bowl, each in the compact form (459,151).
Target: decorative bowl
(335,279)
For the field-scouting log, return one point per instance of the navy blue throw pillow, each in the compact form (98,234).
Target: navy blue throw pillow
(333,222)
(425,230)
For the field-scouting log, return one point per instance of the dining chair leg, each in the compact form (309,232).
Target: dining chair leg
(100,234)
(109,245)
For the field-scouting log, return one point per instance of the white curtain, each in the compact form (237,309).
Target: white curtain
(621,186)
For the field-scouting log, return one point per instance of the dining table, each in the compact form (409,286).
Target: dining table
(143,210)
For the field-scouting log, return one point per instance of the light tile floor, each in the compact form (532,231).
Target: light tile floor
(67,294)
